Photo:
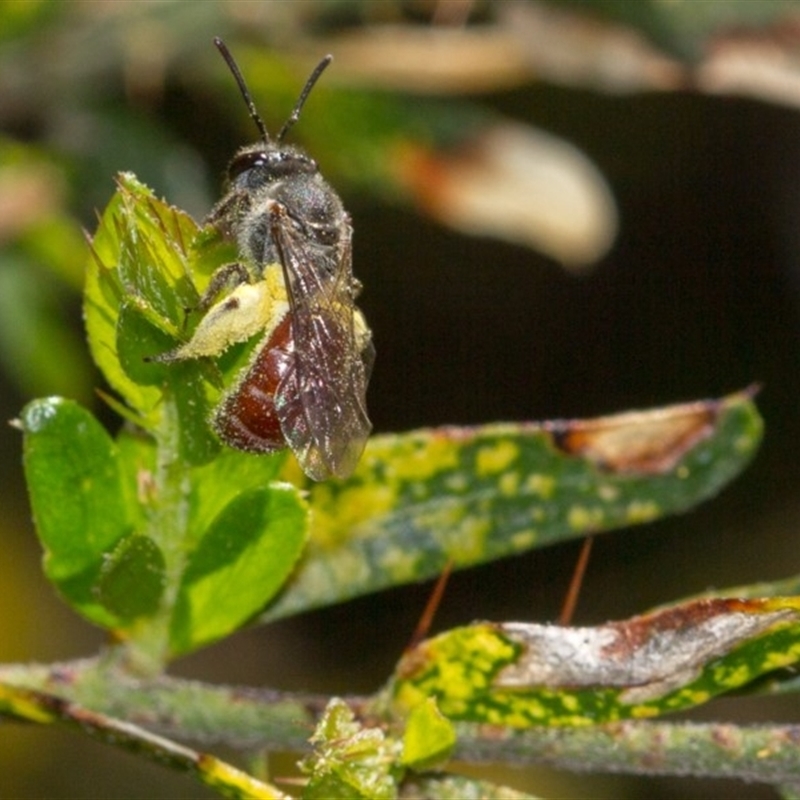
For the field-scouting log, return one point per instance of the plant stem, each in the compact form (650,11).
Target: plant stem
(247,718)
(43,708)
(147,651)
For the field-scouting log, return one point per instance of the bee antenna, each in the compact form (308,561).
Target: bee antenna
(313,78)
(251,106)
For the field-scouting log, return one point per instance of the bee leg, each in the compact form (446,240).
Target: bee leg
(224,209)
(228,276)
(246,310)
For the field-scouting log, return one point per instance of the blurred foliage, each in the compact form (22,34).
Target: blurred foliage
(37,233)
(685,26)
(89,89)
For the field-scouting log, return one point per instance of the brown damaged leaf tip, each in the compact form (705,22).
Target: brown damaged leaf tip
(649,655)
(647,442)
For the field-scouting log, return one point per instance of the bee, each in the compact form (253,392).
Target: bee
(305,384)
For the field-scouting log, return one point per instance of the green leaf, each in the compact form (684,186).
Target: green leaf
(197,444)
(149,262)
(104,296)
(140,265)
(523,674)
(136,456)
(132,578)
(242,560)
(429,737)
(138,340)
(153,263)
(472,495)
(350,761)
(216,484)
(782,681)
(77,498)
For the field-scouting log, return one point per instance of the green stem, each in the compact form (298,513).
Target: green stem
(35,706)
(762,753)
(148,650)
(246,718)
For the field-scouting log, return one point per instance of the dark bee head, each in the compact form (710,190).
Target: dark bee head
(269,163)
(267,174)
(258,164)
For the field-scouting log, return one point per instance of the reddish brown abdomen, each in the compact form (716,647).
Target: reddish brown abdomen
(246,418)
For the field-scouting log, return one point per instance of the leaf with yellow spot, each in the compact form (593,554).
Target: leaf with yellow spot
(471,495)
(523,674)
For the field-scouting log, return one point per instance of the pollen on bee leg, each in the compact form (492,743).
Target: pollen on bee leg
(227,276)
(251,308)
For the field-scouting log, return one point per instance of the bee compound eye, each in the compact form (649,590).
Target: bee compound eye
(244,162)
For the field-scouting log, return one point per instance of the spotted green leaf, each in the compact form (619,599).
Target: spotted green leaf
(524,674)
(472,495)
(782,681)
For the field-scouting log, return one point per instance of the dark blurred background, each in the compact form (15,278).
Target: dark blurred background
(697,297)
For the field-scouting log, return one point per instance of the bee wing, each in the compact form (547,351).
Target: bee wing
(321,400)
